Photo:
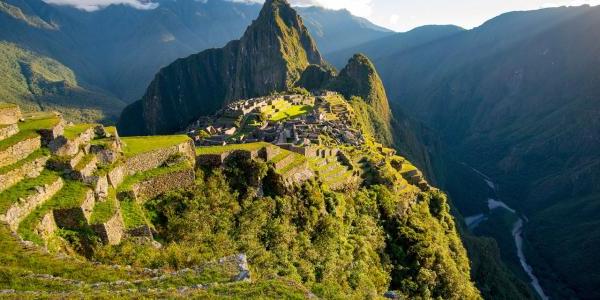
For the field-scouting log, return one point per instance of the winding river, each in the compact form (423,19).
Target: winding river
(517,232)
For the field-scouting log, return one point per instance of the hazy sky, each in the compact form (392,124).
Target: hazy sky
(400,15)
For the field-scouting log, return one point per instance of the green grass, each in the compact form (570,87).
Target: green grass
(72,132)
(4,105)
(292,112)
(298,160)
(84,161)
(21,136)
(33,156)
(133,214)
(25,189)
(71,195)
(103,211)
(281,156)
(37,121)
(137,145)
(141,176)
(232,147)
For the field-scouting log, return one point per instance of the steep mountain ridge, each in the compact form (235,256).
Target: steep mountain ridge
(517,99)
(118,49)
(270,56)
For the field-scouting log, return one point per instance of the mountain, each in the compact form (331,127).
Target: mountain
(516,99)
(118,49)
(36,82)
(339,29)
(270,57)
(394,44)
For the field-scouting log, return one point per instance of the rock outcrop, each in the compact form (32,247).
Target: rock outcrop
(271,56)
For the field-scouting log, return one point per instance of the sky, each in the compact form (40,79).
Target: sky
(398,15)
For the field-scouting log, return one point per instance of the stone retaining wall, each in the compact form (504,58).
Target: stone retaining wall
(10,115)
(8,131)
(269,152)
(48,135)
(211,160)
(87,171)
(116,176)
(46,227)
(19,151)
(62,146)
(284,162)
(154,159)
(298,174)
(143,231)
(74,218)
(157,185)
(112,231)
(30,169)
(18,211)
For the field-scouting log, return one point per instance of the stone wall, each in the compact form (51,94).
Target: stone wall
(86,171)
(211,160)
(19,151)
(269,152)
(7,131)
(298,174)
(46,227)
(116,176)
(157,185)
(99,185)
(154,159)
(10,115)
(48,135)
(62,146)
(18,211)
(107,154)
(284,162)
(112,231)
(30,169)
(143,231)
(74,218)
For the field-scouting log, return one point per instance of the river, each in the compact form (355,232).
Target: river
(517,232)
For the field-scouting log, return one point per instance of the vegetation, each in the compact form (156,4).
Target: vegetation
(70,196)
(231,147)
(73,131)
(133,146)
(103,211)
(24,189)
(290,113)
(39,83)
(338,245)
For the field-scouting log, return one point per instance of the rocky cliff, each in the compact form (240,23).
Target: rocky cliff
(271,56)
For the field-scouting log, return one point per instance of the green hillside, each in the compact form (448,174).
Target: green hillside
(515,98)
(36,83)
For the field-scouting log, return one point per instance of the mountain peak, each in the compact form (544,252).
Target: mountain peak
(270,57)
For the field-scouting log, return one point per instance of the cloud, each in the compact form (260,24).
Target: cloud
(91,5)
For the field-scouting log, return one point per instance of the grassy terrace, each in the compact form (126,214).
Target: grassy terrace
(84,162)
(103,211)
(292,112)
(141,176)
(37,121)
(21,136)
(33,156)
(133,214)
(71,195)
(232,147)
(25,189)
(133,146)
(298,160)
(74,131)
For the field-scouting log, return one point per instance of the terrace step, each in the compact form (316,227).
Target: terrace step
(7,131)
(107,220)
(20,200)
(147,185)
(30,167)
(69,208)
(18,147)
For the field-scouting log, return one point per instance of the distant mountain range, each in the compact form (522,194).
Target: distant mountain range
(519,99)
(117,50)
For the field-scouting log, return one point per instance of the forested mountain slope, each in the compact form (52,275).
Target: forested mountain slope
(518,99)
